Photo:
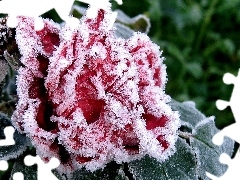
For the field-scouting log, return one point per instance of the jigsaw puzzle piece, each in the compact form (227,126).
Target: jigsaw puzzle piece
(231,131)
(233,172)
(229,78)
(18,176)
(44,169)
(8,131)
(3,165)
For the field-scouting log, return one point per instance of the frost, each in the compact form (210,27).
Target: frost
(202,143)
(195,152)
(124,26)
(3,70)
(89,98)
(198,130)
(29,172)
(15,148)
(44,169)
(180,166)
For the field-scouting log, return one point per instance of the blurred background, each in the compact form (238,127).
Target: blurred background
(200,40)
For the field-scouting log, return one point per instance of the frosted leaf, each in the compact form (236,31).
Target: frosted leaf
(13,60)
(3,69)
(198,131)
(110,172)
(207,152)
(139,23)
(21,142)
(181,165)
(123,31)
(29,172)
(190,116)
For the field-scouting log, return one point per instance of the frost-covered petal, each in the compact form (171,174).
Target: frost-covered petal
(102,97)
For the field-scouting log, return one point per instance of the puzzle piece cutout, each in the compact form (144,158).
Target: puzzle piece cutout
(18,176)
(233,172)
(8,141)
(3,165)
(232,131)
(8,131)
(44,169)
(35,8)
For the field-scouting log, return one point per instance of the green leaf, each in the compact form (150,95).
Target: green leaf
(182,165)
(199,135)
(175,52)
(139,23)
(190,116)
(123,31)
(29,172)
(21,141)
(195,152)
(112,171)
(208,153)
(3,69)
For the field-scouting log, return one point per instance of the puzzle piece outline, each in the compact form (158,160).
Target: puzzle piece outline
(63,9)
(8,132)
(43,168)
(231,131)
(8,141)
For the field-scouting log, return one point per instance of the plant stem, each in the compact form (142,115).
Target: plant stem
(185,135)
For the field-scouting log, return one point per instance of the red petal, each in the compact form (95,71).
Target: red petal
(153,122)
(163,141)
(91,109)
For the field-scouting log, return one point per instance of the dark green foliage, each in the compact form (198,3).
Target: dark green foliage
(21,141)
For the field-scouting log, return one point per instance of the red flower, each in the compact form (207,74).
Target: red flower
(88,97)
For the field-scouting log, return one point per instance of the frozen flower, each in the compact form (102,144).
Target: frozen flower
(88,98)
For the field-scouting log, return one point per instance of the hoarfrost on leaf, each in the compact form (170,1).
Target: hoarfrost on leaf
(182,165)
(195,152)
(231,131)
(3,69)
(29,172)
(198,130)
(12,150)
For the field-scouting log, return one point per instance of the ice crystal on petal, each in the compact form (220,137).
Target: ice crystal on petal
(88,98)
